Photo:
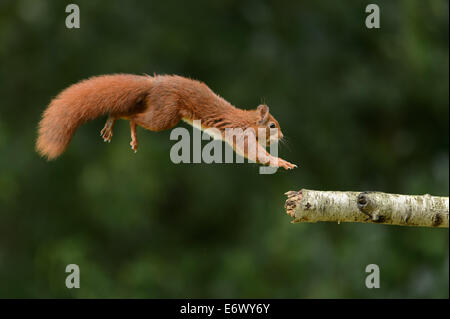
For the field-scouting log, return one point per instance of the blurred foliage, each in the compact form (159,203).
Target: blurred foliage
(363,110)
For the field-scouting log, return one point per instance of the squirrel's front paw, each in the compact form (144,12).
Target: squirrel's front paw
(284,164)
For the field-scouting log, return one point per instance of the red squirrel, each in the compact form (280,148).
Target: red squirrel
(155,103)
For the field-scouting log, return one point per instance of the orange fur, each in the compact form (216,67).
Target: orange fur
(155,103)
(120,95)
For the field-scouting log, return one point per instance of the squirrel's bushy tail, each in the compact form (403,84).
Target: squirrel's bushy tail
(119,95)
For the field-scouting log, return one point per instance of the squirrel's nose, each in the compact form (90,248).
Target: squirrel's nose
(280,135)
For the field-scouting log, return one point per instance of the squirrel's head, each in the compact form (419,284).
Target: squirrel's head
(269,123)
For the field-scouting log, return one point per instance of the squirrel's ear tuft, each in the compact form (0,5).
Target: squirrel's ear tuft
(263,111)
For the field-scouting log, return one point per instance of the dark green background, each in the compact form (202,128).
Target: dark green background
(362,109)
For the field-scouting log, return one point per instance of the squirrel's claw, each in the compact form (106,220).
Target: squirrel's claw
(106,134)
(134,146)
(285,164)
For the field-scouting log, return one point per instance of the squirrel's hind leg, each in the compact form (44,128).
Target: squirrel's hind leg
(134,141)
(107,132)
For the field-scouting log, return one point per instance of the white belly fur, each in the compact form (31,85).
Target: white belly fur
(212,133)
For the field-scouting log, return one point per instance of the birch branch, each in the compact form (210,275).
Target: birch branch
(367,207)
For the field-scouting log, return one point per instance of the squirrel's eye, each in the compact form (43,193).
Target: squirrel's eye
(272,125)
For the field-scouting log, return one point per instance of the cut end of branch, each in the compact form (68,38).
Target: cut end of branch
(293,198)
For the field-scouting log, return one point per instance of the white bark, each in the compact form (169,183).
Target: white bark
(367,207)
